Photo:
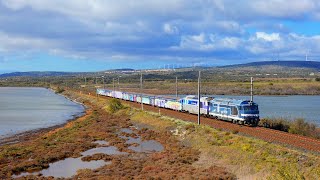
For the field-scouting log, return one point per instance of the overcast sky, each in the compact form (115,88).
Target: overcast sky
(90,35)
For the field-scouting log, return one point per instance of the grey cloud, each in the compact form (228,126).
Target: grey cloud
(119,29)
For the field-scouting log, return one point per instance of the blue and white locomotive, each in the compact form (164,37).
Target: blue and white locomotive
(234,110)
(237,111)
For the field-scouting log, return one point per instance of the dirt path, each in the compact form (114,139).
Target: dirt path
(296,141)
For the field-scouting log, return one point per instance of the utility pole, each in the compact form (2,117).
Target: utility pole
(118,84)
(251,92)
(104,85)
(113,83)
(85,80)
(199,98)
(306,56)
(141,91)
(176,86)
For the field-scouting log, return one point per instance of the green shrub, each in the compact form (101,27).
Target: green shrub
(115,105)
(300,126)
(59,90)
(277,124)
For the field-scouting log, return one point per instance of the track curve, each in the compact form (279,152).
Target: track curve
(269,135)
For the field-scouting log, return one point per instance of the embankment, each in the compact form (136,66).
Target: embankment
(190,151)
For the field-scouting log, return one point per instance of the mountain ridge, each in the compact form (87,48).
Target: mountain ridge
(289,64)
(315,65)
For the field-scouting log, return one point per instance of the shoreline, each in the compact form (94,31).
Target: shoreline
(30,134)
(189,150)
(18,137)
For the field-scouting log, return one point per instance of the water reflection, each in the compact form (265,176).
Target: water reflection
(111,150)
(139,145)
(101,142)
(67,168)
(24,109)
(126,130)
(147,146)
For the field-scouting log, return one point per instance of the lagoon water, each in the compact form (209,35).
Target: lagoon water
(23,109)
(289,107)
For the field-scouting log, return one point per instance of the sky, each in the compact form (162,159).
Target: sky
(94,35)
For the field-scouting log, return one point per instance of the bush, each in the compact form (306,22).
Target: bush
(59,90)
(114,105)
(277,124)
(298,126)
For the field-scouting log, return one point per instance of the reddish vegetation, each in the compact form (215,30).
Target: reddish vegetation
(269,135)
(175,161)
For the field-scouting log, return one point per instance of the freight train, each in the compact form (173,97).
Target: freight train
(227,109)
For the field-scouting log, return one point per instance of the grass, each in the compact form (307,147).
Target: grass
(207,147)
(245,156)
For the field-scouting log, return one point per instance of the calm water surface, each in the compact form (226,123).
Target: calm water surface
(23,109)
(289,107)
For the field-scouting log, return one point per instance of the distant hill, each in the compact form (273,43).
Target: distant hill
(35,74)
(288,64)
(264,66)
(123,69)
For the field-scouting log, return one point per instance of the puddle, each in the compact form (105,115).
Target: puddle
(111,150)
(131,140)
(126,130)
(101,142)
(66,168)
(142,146)
(147,146)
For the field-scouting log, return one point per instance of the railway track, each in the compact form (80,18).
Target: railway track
(269,135)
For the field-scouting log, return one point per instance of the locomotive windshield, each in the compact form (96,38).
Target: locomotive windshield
(252,108)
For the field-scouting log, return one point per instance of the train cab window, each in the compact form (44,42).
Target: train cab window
(254,107)
(246,108)
(250,108)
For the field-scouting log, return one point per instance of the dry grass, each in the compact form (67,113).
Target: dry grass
(246,157)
